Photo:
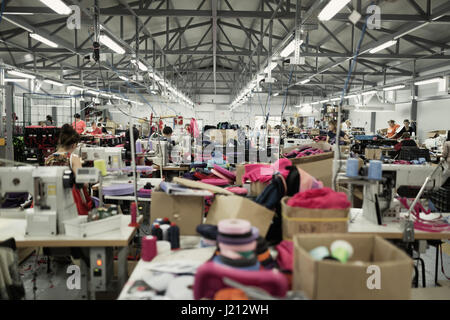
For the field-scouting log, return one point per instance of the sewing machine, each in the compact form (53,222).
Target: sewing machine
(291,142)
(159,153)
(112,156)
(15,179)
(379,197)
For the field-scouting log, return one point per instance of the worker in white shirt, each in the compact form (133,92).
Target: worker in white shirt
(346,126)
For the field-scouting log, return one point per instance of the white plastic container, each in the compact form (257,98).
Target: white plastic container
(80,228)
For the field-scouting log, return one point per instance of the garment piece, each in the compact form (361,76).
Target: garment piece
(263,172)
(194,128)
(285,258)
(96,131)
(324,198)
(237,190)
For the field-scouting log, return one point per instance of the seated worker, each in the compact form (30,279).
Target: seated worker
(405,142)
(167,136)
(346,126)
(64,156)
(406,128)
(392,130)
(79,125)
(96,128)
(49,120)
(317,125)
(331,135)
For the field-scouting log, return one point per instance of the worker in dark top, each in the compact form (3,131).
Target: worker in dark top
(406,128)
(406,141)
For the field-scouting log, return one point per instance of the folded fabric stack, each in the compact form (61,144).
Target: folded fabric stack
(324,198)
(237,244)
(263,172)
(121,189)
(237,190)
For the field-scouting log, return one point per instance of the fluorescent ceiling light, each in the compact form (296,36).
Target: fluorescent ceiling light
(17,24)
(351,96)
(43,40)
(383,46)
(335,99)
(289,49)
(124,78)
(21,74)
(394,87)
(11,13)
(330,10)
(95,93)
(58,6)
(323,101)
(55,83)
(110,43)
(140,65)
(74,88)
(369,92)
(315,102)
(432,80)
(270,67)
(305,81)
(15,80)
(276,94)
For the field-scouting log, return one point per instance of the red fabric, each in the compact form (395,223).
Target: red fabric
(263,172)
(96,131)
(83,207)
(79,126)
(324,198)
(194,128)
(285,258)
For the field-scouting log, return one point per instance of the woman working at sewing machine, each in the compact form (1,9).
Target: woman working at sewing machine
(331,135)
(64,156)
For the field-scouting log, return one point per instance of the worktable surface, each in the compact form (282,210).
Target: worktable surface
(389,230)
(15,228)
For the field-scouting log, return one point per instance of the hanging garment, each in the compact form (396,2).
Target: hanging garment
(194,128)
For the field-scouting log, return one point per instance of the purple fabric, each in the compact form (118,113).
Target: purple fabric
(228,240)
(122,189)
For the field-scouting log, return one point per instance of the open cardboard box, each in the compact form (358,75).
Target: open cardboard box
(236,207)
(377,269)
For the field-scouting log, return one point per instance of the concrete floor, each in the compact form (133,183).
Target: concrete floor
(52,286)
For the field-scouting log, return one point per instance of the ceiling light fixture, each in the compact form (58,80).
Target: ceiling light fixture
(401,86)
(330,10)
(21,74)
(43,40)
(58,6)
(110,43)
(383,46)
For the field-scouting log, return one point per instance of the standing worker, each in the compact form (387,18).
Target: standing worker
(79,125)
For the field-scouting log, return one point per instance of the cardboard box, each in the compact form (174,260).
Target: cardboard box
(372,154)
(302,220)
(240,171)
(435,133)
(256,188)
(315,132)
(236,207)
(185,211)
(319,166)
(334,280)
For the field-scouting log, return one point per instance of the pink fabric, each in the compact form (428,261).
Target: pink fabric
(285,258)
(194,128)
(324,198)
(219,175)
(228,174)
(237,190)
(216,182)
(263,172)
(307,181)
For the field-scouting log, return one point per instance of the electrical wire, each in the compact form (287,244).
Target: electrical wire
(344,90)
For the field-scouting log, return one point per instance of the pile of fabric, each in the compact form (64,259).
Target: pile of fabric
(303,152)
(323,198)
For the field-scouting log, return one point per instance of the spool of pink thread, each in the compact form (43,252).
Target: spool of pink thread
(149,249)
(133,214)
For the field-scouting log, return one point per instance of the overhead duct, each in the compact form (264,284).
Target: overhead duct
(373,105)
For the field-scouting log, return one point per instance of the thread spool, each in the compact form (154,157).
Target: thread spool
(352,167)
(165,228)
(341,250)
(375,170)
(205,243)
(133,213)
(238,248)
(173,235)
(149,248)
(319,253)
(100,164)
(234,226)
(157,232)
(163,247)
(138,146)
